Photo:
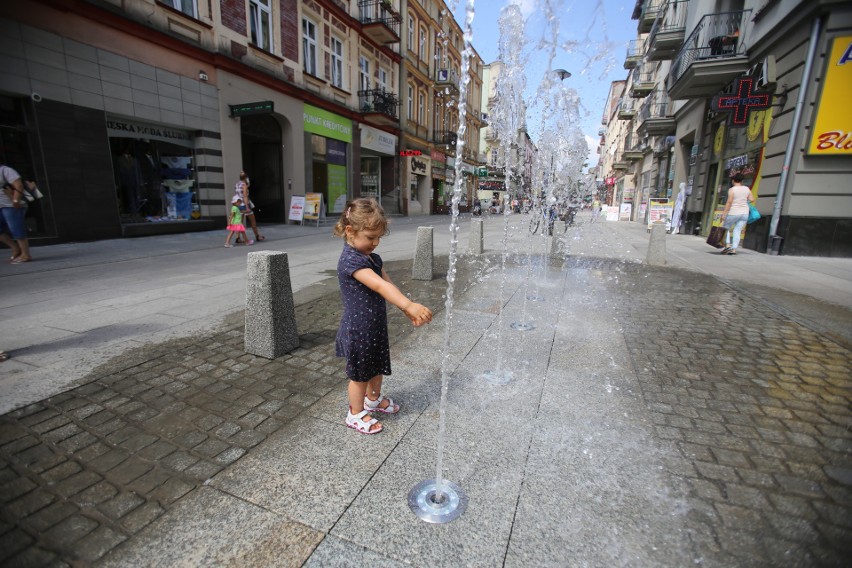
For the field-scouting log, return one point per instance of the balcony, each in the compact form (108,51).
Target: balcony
(656,115)
(379,106)
(446,82)
(447,138)
(632,151)
(379,21)
(626,109)
(666,36)
(712,56)
(650,10)
(644,80)
(634,53)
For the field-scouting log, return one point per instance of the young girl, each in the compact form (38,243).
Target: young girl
(363,334)
(235,223)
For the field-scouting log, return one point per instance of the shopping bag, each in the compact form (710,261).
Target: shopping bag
(753,213)
(716,238)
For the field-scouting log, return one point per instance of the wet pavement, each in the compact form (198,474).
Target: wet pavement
(653,416)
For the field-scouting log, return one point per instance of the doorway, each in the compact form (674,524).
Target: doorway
(263,162)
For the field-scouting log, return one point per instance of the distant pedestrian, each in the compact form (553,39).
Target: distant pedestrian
(13,208)
(241,190)
(735,215)
(363,335)
(235,223)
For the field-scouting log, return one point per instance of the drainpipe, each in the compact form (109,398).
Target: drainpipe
(774,239)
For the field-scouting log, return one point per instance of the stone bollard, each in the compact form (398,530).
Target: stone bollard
(270,312)
(421,269)
(555,245)
(476,239)
(657,246)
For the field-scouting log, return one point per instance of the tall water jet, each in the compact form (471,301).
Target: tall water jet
(438,500)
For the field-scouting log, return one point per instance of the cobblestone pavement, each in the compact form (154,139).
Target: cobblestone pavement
(756,405)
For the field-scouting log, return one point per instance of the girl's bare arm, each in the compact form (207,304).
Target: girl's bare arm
(417,313)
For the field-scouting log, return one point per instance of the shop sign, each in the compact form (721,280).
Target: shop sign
(438,156)
(313,206)
(482,172)
(246,109)
(324,123)
(741,102)
(120,128)
(419,165)
(610,181)
(409,153)
(467,169)
(377,140)
(736,162)
(335,152)
(832,128)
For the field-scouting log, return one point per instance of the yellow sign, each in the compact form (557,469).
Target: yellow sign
(832,129)
(313,206)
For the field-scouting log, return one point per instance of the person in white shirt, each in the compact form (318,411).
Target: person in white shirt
(735,215)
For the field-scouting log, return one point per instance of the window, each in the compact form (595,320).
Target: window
(422,47)
(188,7)
(309,46)
(439,55)
(421,109)
(337,63)
(410,33)
(260,21)
(410,103)
(383,80)
(364,73)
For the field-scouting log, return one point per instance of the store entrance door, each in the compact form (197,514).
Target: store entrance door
(263,162)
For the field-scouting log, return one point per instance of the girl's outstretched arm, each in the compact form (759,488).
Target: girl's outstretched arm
(417,313)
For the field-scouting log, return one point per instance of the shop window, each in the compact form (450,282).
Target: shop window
(155,180)
(370,176)
(260,20)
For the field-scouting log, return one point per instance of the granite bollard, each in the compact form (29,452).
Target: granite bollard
(421,268)
(477,245)
(657,246)
(270,313)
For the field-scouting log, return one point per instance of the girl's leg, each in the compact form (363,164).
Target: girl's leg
(374,391)
(357,391)
(228,238)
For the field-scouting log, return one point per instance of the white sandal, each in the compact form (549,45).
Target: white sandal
(373,405)
(357,422)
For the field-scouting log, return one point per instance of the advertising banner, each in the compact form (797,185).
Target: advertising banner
(313,206)
(297,208)
(660,211)
(832,129)
(336,188)
(612,213)
(324,123)
(624,212)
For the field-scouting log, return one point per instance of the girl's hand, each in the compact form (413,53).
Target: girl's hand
(418,314)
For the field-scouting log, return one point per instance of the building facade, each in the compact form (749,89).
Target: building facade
(138,116)
(751,87)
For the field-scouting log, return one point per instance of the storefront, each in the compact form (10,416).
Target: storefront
(329,136)
(154,169)
(418,175)
(378,151)
(442,194)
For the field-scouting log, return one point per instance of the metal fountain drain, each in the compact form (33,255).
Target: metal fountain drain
(434,506)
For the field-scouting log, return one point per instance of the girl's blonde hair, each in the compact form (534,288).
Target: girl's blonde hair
(362,214)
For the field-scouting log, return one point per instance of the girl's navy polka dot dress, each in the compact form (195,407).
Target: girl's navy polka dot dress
(363,334)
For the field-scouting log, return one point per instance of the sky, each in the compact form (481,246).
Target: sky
(592,44)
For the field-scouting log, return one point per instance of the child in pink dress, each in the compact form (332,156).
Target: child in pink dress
(235,223)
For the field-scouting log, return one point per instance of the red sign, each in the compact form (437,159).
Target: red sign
(407,153)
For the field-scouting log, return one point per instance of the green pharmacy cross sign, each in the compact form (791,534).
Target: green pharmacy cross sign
(245,109)
(482,172)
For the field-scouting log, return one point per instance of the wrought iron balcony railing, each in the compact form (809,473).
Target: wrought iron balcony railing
(657,105)
(717,36)
(371,12)
(672,17)
(445,137)
(378,101)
